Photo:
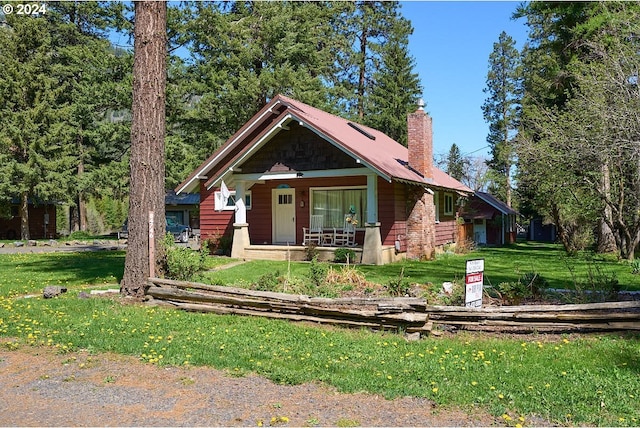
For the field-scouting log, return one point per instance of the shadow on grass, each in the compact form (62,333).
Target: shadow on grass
(74,268)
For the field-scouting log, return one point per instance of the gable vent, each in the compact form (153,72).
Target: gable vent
(362,131)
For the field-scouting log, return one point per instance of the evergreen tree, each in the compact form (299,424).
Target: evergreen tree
(397,87)
(35,158)
(456,164)
(243,54)
(367,30)
(96,82)
(501,109)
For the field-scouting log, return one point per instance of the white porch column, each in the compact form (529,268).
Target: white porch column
(240,226)
(372,248)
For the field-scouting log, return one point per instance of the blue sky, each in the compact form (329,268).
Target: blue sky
(451,43)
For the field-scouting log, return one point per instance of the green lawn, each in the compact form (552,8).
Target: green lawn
(501,265)
(31,272)
(563,379)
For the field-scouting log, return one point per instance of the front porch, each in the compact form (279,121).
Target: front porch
(299,253)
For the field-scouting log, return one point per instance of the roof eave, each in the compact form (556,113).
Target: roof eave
(193,181)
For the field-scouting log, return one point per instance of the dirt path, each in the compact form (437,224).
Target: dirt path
(41,388)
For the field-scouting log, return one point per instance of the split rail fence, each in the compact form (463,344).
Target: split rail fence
(410,315)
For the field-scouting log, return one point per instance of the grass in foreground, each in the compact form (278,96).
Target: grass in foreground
(564,379)
(572,380)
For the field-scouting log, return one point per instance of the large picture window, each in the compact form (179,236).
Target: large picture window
(333,203)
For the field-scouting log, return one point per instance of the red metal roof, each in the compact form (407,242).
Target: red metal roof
(370,147)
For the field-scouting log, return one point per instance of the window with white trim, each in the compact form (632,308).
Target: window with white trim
(334,202)
(231,202)
(448,204)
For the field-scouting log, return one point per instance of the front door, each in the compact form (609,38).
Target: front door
(284,216)
(480,231)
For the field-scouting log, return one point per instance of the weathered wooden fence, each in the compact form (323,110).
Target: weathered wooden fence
(411,315)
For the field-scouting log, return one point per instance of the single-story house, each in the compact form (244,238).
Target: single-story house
(42,221)
(292,162)
(494,222)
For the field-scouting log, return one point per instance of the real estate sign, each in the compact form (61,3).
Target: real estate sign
(474,279)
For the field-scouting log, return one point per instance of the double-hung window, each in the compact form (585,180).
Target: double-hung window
(448,204)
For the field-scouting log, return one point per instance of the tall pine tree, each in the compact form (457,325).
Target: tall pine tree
(396,87)
(35,158)
(501,110)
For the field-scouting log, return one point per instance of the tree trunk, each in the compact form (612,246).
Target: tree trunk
(82,204)
(562,232)
(24,216)
(147,145)
(74,220)
(606,240)
(362,74)
(508,184)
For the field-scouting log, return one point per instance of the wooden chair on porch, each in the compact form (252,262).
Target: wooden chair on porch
(314,233)
(346,237)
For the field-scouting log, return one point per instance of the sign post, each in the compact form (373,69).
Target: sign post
(474,280)
(152,247)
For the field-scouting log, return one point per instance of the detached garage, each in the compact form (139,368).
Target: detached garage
(494,223)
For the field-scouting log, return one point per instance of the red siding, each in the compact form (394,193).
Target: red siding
(260,215)
(446,232)
(10,228)
(392,211)
(392,208)
(213,224)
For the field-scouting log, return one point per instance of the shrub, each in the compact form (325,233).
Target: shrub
(268,282)
(534,282)
(183,263)
(635,267)
(513,292)
(318,272)
(398,286)
(455,298)
(81,235)
(218,243)
(598,284)
(344,255)
(311,251)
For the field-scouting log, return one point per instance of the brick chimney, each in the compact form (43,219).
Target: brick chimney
(420,141)
(421,219)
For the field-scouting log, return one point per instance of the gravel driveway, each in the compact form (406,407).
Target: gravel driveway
(41,388)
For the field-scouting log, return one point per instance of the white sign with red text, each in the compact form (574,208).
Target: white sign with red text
(474,280)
